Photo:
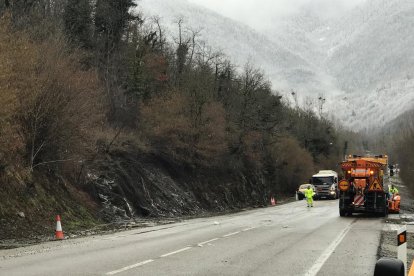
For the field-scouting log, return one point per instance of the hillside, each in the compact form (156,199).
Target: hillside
(285,68)
(357,60)
(367,54)
(103,121)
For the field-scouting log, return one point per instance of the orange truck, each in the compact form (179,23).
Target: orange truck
(362,189)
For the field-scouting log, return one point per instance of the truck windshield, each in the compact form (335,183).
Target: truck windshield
(322,180)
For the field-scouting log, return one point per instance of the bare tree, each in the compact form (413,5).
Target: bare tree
(56,103)
(194,35)
(162,40)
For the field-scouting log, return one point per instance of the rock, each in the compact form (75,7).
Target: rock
(21,214)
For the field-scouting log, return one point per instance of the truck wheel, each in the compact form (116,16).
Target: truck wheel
(385,213)
(388,266)
(342,212)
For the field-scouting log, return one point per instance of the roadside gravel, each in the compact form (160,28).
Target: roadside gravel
(388,246)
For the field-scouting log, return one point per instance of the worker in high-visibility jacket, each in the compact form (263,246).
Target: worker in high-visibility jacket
(393,190)
(394,203)
(309,193)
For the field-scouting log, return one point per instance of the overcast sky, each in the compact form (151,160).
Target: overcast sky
(261,13)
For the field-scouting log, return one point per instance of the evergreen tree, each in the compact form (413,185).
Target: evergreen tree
(111,21)
(78,22)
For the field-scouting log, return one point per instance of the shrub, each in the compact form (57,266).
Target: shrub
(49,105)
(173,130)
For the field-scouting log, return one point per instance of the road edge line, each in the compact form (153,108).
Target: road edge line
(328,252)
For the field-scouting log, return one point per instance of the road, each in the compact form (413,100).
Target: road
(289,239)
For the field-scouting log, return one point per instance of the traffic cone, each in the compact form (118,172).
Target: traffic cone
(59,232)
(272,201)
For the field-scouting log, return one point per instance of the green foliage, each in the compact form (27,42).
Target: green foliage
(78,22)
(292,164)
(111,21)
(188,101)
(316,135)
(147,67)
(404,155)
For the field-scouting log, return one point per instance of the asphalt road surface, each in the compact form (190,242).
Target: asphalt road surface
(289,239)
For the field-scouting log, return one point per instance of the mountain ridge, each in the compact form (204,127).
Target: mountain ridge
(340,59)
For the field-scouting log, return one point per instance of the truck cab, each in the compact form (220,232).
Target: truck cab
(326,184)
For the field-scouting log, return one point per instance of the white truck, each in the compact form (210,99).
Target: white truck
(326,184)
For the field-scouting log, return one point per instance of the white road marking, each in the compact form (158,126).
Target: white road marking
(203,243)
(328,251)
(231,234)
(129,267)
(248,229)
(175,252)
(114,237)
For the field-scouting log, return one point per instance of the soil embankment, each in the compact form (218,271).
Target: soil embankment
(121,189)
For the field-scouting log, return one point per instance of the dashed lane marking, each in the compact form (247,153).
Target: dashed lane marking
(205,242)
(248,229)
(231,234)
(175,252)
(129,267)
(114,237)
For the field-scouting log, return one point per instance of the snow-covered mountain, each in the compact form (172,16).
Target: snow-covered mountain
(369,52)
(362,62)
(286,69)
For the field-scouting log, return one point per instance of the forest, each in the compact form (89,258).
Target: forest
(106,116)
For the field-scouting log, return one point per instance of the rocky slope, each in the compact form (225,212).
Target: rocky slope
(120,187)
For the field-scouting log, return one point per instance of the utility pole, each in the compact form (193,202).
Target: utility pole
(322,101)
(295,98)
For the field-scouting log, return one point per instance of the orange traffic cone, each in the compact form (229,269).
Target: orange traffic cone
(59,232)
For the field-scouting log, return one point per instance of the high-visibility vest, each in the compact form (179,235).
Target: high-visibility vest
(393,190)
(309,193)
